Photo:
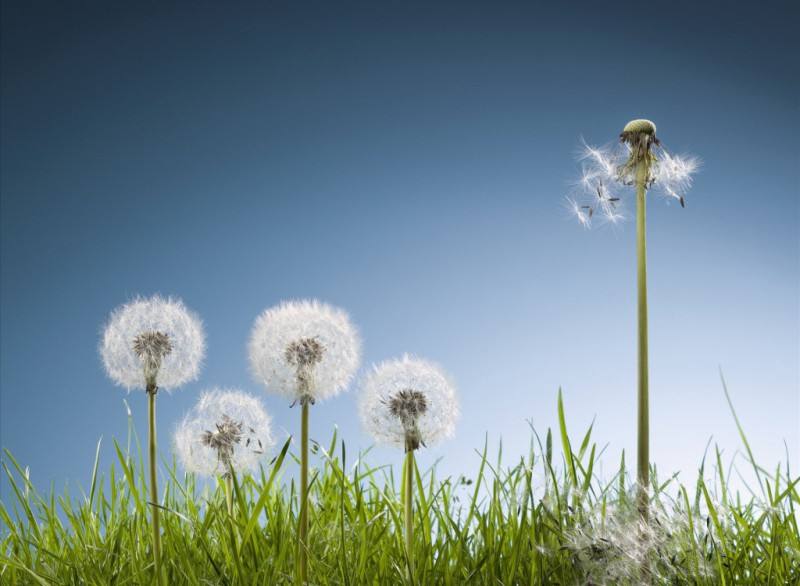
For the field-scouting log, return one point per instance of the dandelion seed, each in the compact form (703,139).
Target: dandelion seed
(582,213)
(220,433)
(152,341)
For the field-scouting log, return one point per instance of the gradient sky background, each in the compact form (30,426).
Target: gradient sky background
(409,163)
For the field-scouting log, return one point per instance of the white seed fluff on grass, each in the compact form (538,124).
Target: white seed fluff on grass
(408,397)
(226,429)
(611,545)
(153,338)
(304,350)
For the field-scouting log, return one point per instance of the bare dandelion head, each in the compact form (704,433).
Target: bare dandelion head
(639,135)
(606,171)
(304,350)
(408,402)
(227,430)
(151,342)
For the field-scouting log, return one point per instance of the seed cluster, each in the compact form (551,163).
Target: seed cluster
(304,354)
(409,405)
(227,435)
(151,348)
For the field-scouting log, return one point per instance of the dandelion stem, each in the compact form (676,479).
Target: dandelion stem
(303,530)
(643,456)
(643,440)
(151,397)
(231,520)
(408,508)
(229,493)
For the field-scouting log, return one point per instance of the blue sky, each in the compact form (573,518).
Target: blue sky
(408,163)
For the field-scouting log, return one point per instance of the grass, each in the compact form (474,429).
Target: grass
(543,519)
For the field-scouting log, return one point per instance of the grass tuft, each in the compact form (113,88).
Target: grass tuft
(535,521)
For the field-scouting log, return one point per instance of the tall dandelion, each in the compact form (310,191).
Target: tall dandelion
(641,163)
(408,403)
(149,344)
(306,351)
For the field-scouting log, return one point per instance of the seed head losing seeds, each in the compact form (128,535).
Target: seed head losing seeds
(608,171)
(226,430)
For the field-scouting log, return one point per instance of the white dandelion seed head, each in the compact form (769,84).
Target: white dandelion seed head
(408,399)
(226,429)
(304,350)
(153,340)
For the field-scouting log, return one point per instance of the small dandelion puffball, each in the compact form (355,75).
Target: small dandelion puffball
(151,343)
(227,429)
(608,171)
(304,350)
(408,402)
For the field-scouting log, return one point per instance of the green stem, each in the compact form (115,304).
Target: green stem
(643,454)
(229,493)
(303,530)
(408,508)
(151,396)
(231,522)
(643,417)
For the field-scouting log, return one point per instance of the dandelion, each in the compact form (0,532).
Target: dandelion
(306,351)
(643,163)
(153,342)
(147,344)
(408,403)
(227,431)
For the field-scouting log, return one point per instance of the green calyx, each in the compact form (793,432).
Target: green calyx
(640,126)
(640,136)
